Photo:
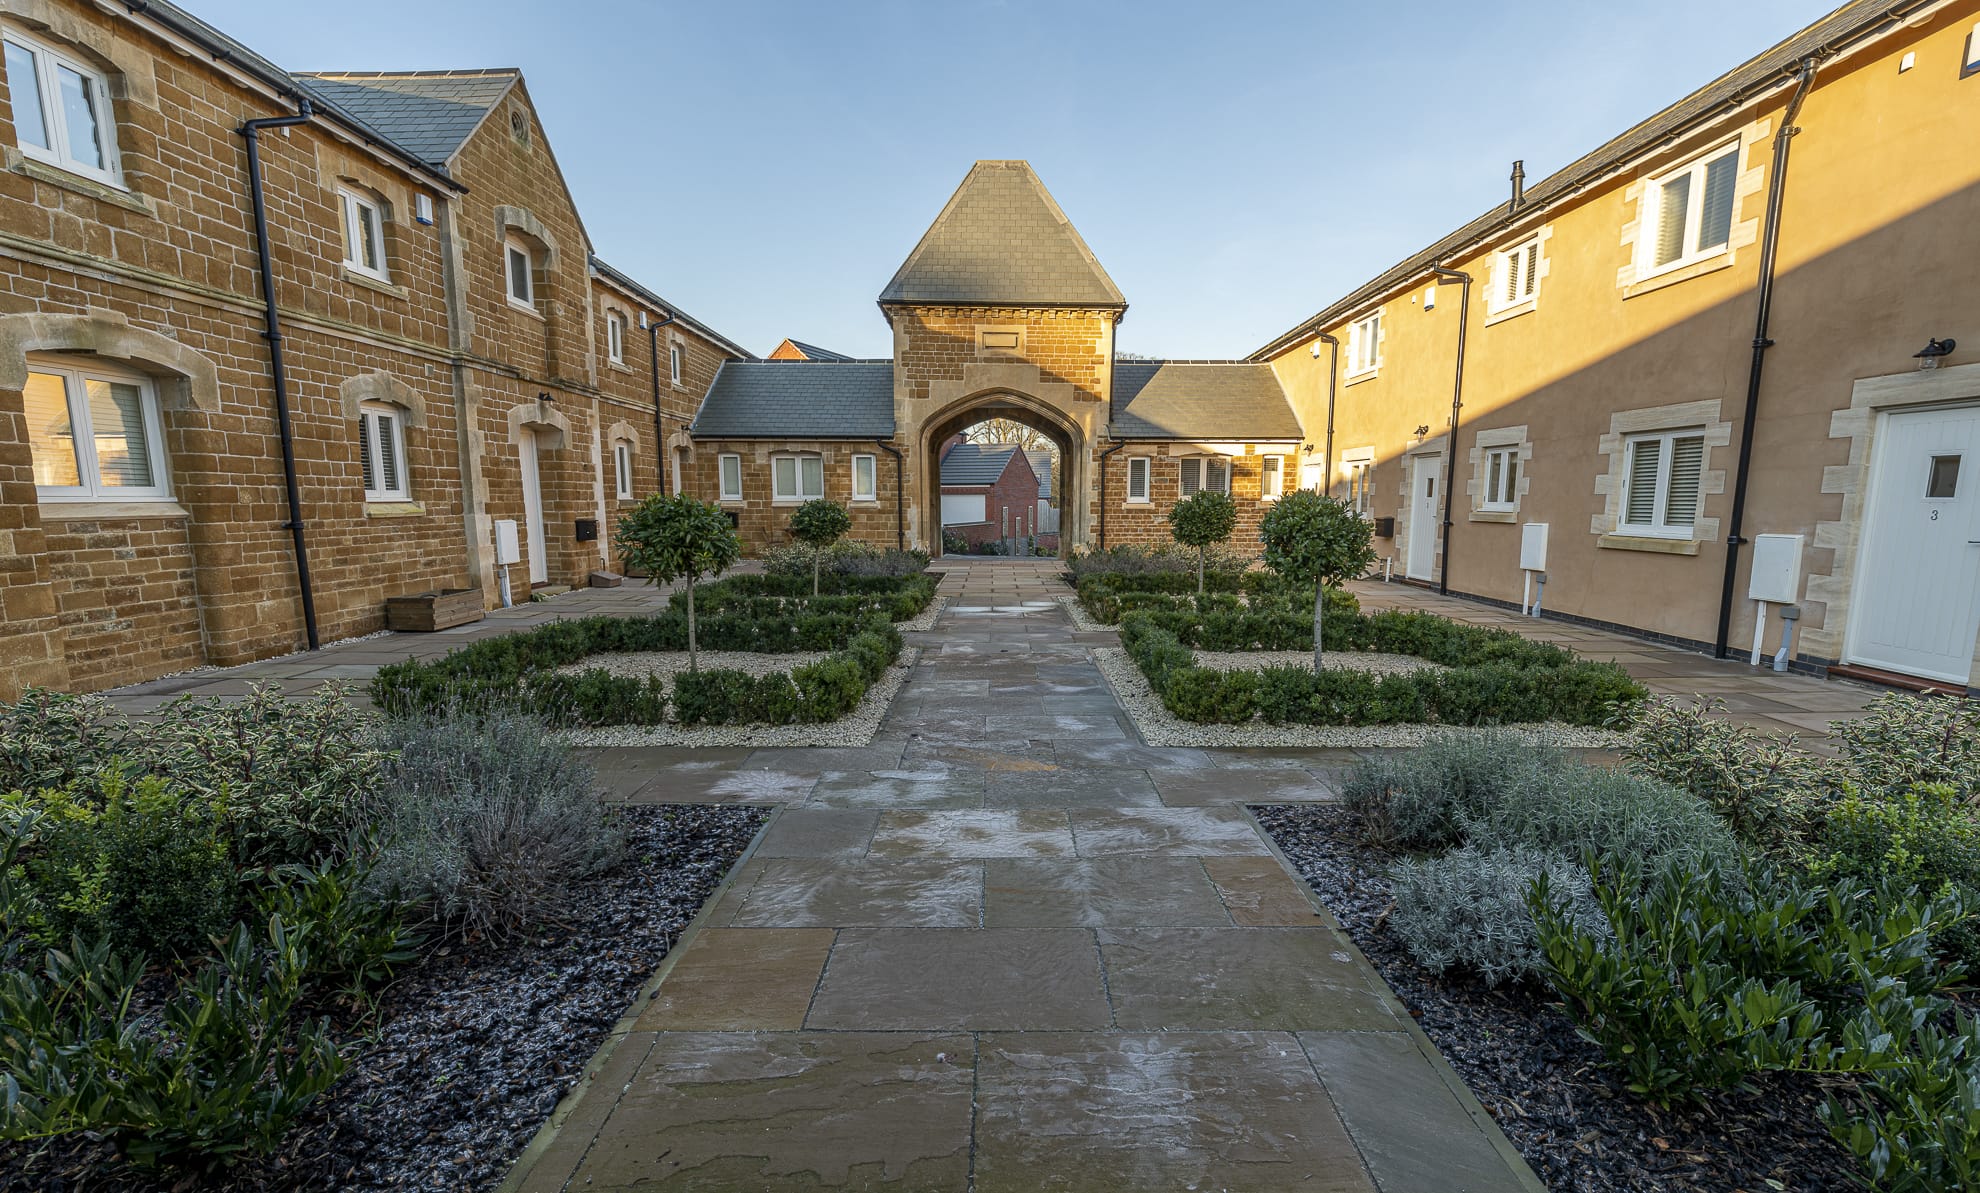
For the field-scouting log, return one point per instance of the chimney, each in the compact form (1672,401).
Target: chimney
(948,444)
(1518,187)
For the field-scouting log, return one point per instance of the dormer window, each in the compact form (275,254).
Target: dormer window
(520,264)
(62,112)
(364,234)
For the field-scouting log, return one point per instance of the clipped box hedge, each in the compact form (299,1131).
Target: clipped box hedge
(1491,676)
(759,596)
(521,671)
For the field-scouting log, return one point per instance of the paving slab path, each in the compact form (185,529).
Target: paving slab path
(1008,947)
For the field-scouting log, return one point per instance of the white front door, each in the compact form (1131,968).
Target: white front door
(532,487)
(1917,603)
(1425,474)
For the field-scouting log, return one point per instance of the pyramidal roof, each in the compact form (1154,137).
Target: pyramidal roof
(1002,241)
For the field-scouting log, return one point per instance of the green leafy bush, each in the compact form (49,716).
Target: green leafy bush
(678,538)
(1914,1125)
(218,1072)
(356,940)
(487,820)
(1201,521)
(1223,564)
(1764,785)
(142,866)
(1702,981)
(1468,908)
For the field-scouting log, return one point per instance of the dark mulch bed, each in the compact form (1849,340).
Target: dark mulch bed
(474,1047)
(1575,1124)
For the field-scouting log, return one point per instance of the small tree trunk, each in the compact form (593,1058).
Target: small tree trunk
(692,664)
(1319,609)
(1201,554)
(816,556)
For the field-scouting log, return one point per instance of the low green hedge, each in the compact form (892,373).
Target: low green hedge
(1494,676)
(767,596)
(521,671)
(1107,599)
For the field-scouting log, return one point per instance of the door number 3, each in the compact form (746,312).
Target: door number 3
(1935,515)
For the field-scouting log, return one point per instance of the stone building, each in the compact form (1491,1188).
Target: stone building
(441,322)
(1001,311)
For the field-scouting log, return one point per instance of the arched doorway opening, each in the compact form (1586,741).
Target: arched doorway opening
(1069,485)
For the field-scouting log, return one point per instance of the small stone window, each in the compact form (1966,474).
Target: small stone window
(62,111)
(382,452)
(93,433)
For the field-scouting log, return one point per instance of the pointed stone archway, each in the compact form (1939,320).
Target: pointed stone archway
(1075,457)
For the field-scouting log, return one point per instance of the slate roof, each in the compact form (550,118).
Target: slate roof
(1770,70)
(430,113)
(1220,401)
(798,399)
(654,300)
(1041,467)
(1002,241)
(814,352)
(976,463)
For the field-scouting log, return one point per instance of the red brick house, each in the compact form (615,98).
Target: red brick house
(989,495)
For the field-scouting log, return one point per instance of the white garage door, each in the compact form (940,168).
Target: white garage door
(961,509)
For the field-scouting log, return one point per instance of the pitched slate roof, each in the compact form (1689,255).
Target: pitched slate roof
(1214,400)
(430,113)
(1768,71)
(798,399)
(654,300)
(814,352)
(976,463)
(1041,467)
(1002,241)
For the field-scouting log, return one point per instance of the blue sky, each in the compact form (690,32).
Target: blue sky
(1235,166)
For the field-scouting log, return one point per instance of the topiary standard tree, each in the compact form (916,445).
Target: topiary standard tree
(678,538)
(818,524)
(1317,540)
(1201,519)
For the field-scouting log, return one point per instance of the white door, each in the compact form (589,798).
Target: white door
(1917,603)
(532,487)
(1424,511)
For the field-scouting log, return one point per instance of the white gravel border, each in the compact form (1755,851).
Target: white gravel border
(856,728)
(1158,727)
(1081,619)
(924,620)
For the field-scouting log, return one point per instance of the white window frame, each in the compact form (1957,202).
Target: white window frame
(1650,213)
(622,469)
(1198,467)
(872,490)
(615,337)
(1146,466)
(54,123)
(1516,276)
(357,211)
(88,470)
(371,416)
(1277,473)
(526,301)
(1364,354)
(722,463)
(1504,495)
(1358,469)
(797,493)
(676,361)
(1658,527)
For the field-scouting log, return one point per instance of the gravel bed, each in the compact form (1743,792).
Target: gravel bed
(1158,727)
(474,1047)
(669,663)
(1352,660)
(924,620)
(1577,1126)
(1081,619)
(854,729)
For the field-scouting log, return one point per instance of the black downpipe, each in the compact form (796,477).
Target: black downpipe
(1457,411)
(272,332)
(1333,382)
(1103,490)
(659,420)
(1769,245)
(900,492)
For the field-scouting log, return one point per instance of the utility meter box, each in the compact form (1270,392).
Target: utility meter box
(1533,547)
(508,547)
(1776,572)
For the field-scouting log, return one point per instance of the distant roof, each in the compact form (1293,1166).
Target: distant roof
(430,112)
(1041,467)
(976,463)
(1223,401)
(813,352)
(697,326)
(1771,69)
(1002,241)
(799,399)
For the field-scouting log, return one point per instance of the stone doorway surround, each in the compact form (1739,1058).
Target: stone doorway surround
(1857,424)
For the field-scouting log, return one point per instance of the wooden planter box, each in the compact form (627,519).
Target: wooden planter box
(424,612)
